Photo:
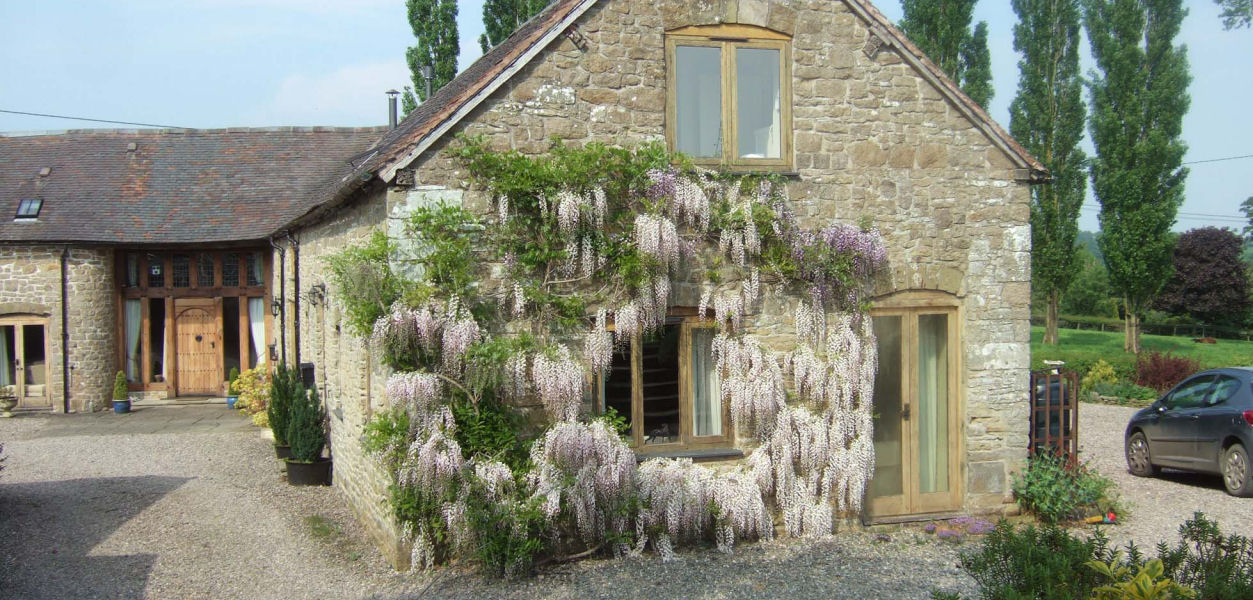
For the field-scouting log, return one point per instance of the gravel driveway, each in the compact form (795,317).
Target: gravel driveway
(188,502)
(1158,505)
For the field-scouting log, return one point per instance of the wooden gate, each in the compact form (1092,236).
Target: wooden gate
(198,346)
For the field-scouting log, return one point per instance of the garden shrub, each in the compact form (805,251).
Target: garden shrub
(366,270)
(1101,372)
(1217,566)
(386,436)
(120,389)
(1136,582)
(253,387)
(1057,491)
(1128,394)
(1163,371)
(1044,563)
(286,389)
(306,427)
(231,377)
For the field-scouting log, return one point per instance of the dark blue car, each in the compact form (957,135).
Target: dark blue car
(1204,424)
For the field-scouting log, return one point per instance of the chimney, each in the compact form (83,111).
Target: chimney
(391,108)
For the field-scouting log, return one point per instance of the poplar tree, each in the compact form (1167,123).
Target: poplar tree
(1139,97)
(1236,13)
(502,17)
(941,29)
(434,24)
(1047,117)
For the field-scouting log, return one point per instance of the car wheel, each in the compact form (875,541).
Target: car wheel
(1139,460)
(1237,474)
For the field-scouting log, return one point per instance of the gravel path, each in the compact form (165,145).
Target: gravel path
(1158,505)
(168,504)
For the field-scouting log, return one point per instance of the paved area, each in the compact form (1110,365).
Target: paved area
(1158,505)
(169,419)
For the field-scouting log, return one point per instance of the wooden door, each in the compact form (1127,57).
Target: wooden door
(25,353)
(198,344)
(918,450)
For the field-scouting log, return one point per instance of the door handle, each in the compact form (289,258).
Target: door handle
(1194,417)
(905,411)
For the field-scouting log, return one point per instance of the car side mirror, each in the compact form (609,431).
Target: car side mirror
(1161,408)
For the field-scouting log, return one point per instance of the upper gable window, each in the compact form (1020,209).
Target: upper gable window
(729,99)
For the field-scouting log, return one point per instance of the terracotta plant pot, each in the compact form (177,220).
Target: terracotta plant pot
(314,473)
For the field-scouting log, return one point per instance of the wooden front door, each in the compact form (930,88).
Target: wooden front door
(24,354)
(198,346)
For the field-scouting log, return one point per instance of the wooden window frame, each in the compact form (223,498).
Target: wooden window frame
(728,38)
(687,440)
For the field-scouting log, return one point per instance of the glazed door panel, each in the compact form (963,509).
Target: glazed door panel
(24,357)
(917,450)
(198,343)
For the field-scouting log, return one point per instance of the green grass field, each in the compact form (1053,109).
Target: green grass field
(1082,348)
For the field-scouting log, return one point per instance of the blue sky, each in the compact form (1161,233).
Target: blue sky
(222,63)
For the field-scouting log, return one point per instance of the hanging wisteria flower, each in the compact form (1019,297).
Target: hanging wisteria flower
(460,332)
(585,474)
(502,209)
(656,236)
(417,392)
(496,479)
(598,344)
(559,381)
(405,331)
(752,384)
(567,211)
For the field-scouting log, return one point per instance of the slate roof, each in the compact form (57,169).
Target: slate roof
(175,187)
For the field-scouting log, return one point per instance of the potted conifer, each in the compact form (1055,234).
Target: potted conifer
(121,394)
(306,432)
(285,389)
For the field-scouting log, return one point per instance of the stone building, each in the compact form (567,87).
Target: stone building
(830,95)
(148,252)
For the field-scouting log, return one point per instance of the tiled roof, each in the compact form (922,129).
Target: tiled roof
(175,186)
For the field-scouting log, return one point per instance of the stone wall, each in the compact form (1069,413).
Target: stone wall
(349,378)
(30,285)
(872,139)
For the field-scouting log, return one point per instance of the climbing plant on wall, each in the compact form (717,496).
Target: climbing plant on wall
(515,307)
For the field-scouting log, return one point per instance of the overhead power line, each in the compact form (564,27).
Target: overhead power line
(1210,160)
(34,114)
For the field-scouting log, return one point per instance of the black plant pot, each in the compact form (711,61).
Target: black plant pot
(314,473)
(282,452)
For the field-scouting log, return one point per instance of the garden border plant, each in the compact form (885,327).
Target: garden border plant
(518,305)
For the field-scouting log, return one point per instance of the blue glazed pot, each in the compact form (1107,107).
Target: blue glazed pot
(231,400)
(121,406)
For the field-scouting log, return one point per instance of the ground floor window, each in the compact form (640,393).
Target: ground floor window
(666,387)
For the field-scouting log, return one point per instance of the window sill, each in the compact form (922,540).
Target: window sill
(694,454)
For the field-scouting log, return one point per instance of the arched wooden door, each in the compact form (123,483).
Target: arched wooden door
(199,346)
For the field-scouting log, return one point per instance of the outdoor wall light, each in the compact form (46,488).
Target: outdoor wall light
(276,307)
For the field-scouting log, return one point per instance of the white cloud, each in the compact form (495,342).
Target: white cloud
(353,95)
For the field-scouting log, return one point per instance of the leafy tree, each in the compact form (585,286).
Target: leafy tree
(1139,96)
(434,24)
(941,28)
(1047,116)
(1088,293)
(502,17)
(1246,207)
(1236,13)
(1209,283)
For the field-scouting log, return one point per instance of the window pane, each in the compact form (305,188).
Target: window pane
(1224,389)
(616,384)
(132,270)
(230,269)
(698,100)
(660,364)
(204,270)
(156,270)
(182,271)
(254,268)
(8,353)
(932,403)
(706,392)
(888,444)
(757,102)
(1191,394)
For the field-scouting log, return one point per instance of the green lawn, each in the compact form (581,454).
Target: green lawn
(1081,348)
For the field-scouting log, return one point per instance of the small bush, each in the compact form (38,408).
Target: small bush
(230,382)
(253,388)
(286,390)
(1163,371)
(387,437)
(1045,563)
(306,427)
(1218,567)
(1101,372)
(120,391)
(1128,394)
(1145,582)
(1057,491)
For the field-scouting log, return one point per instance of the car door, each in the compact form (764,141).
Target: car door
(1174,443)
(1215,419)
